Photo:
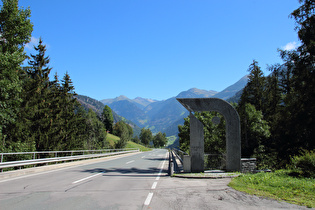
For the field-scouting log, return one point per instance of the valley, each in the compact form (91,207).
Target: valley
(165,115)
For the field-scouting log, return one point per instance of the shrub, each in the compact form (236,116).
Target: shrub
(304,164)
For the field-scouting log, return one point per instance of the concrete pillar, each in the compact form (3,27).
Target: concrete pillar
(196,145)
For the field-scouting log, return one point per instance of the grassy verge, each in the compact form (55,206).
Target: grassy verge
(112,139)
(278,185)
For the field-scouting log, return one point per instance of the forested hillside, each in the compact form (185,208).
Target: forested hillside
(98,107)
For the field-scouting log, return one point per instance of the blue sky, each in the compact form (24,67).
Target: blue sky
(158,48)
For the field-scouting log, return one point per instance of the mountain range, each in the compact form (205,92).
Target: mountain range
(165,115)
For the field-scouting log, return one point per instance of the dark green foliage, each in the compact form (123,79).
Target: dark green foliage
(292,116)
(159,140)
(285,100)
(214,138)
(95,132)
(304,164)
(145,136)
(108,119)
(214,135)
(254,130)
(124,131)
(15,31)
(136,140)
(254,90)
(184,135)
(302,100)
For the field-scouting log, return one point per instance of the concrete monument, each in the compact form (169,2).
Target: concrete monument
(233,131)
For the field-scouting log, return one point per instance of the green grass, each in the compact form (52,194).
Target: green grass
(112,139)
(170,140)
(278,185)
(134,145)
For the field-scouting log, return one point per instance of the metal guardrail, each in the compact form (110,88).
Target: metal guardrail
(35,161)
(180,154)
(174,155)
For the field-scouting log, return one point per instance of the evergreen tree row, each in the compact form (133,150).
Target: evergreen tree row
(36,113)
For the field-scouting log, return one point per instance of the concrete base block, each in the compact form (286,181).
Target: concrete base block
(187,164)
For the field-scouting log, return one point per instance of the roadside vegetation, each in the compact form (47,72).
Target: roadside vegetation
(279,185)
(296,184)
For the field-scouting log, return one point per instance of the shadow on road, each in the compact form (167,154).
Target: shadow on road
(133,172)
(158,159)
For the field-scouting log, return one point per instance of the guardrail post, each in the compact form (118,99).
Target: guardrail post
(1,161)
(171,164)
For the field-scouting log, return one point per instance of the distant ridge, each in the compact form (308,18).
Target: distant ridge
(97,106)
(165,115)
(196,93)
(232,89)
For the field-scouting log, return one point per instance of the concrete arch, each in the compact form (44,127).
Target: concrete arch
(233,130)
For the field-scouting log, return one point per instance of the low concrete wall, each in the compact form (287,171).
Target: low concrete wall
(248,165)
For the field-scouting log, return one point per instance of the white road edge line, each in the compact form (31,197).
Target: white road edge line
(148,200)
(130,161)
(80,180)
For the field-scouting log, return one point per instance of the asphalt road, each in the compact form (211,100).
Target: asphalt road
(136,181)
(119,183)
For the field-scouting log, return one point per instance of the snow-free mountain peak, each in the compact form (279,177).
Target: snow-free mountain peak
(164,115)
(196,93)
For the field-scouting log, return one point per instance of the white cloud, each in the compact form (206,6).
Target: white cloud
(30,45)
(290,46)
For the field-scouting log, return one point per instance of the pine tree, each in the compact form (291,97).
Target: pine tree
(252,100)
(108,119)
(254,90)
(68,116)
(38,99)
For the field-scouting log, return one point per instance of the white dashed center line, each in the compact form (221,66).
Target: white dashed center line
(154,185)
(150,195)
(148,200)
(80,180)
